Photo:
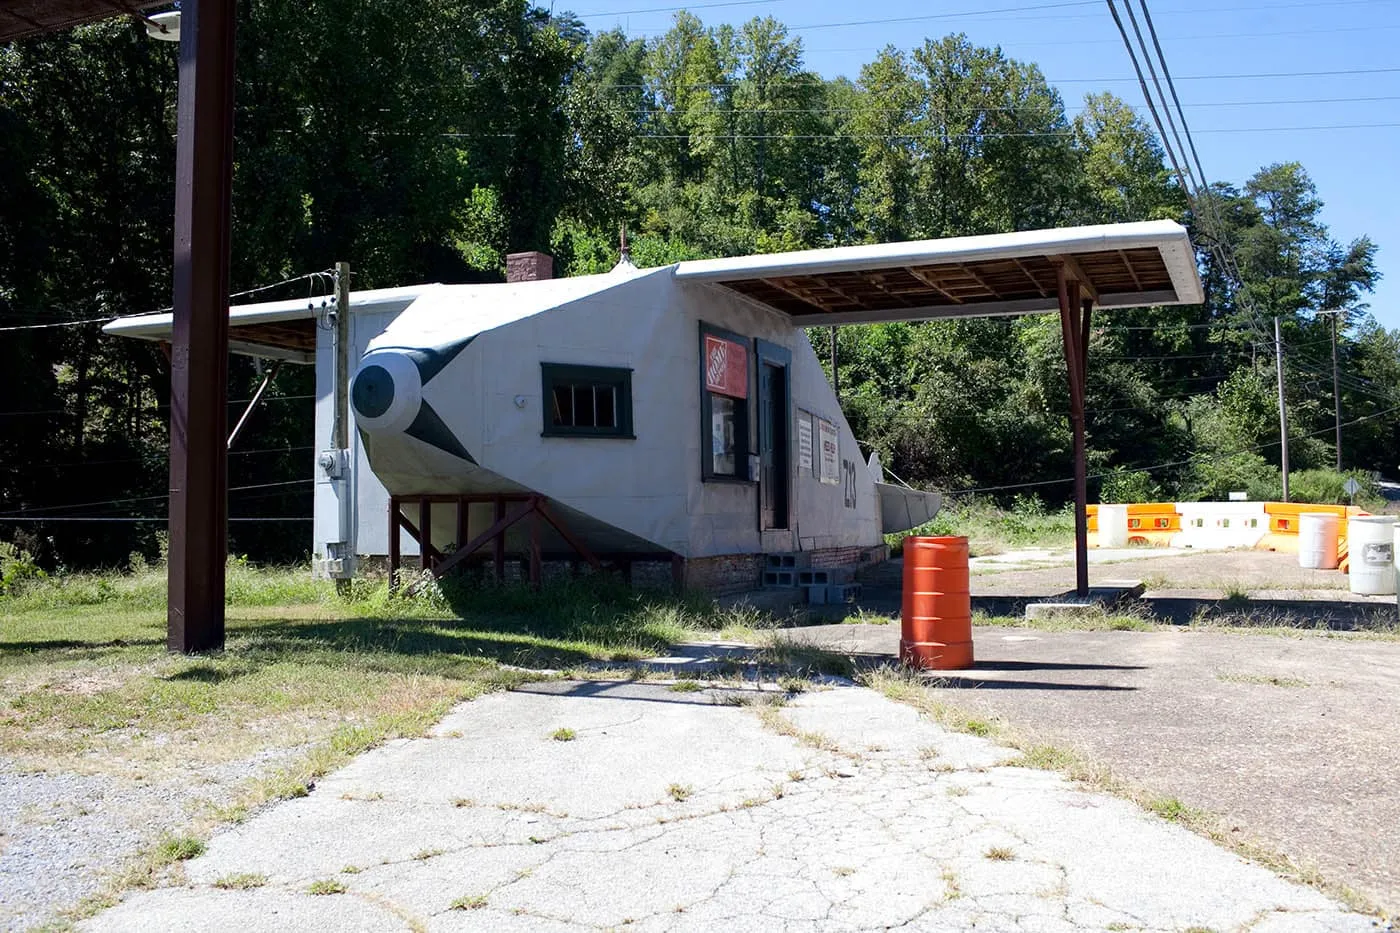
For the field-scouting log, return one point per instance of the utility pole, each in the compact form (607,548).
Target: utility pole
(1282,407)
(1336,388)
(835,377)
(340,428)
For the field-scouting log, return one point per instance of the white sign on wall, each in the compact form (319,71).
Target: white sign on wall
(804,440)
(829,443)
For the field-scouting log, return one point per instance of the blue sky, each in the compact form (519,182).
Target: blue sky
(1240,124)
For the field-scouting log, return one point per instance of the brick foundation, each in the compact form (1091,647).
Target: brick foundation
(737,573)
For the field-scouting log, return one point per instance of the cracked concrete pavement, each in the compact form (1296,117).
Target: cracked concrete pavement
(669,810)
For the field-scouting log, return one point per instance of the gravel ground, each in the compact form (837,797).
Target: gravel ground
(62,834)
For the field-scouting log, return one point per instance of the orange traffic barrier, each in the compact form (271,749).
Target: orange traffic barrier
(1149,523)
(1153,523)
(937,607)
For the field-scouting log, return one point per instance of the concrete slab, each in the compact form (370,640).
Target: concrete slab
(1292,739)
(682,811)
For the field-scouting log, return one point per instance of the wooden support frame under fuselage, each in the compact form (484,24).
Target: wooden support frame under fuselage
(531,508)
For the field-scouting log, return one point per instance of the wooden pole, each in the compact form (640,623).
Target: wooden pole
(835,374)
(340,419)
(1282,408)
(1336,390)
(199,340)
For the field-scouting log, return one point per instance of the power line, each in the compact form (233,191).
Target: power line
(162,519)
(1199,458)
(78,505)
(112,317)
(966,14)
(721,85)
(1033,107)
(160,407)
(1194,38)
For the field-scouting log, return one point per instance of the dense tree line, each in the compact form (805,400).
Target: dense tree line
(421,142)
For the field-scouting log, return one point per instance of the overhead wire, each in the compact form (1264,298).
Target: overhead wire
(77,505)
(1199,458)
(308,276)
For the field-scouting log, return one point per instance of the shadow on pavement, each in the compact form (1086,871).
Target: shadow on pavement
(640,692)
(1053,666)
(953,680)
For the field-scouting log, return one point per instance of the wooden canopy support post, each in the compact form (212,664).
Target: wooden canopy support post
(199,335)
(1075,316)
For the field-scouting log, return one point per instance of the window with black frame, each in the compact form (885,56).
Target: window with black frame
(724,385)
(586,401)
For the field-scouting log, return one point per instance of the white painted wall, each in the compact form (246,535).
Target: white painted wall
(491,397)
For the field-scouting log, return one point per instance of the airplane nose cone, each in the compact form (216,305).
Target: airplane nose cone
(386,393)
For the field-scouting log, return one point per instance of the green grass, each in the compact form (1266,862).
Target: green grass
(563,734)
(993,530)
(326,886)
(1087,620)
(469,902)
(179,849)
(241,882)
(307,677)
(83,660)
(679,792)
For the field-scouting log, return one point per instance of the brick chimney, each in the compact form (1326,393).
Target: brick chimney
(529,267)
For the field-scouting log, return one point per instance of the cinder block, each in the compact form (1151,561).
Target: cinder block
(813,577)
(779,578)
(843,593)
(816,595)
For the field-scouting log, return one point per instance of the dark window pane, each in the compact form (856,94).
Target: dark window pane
(563,413)
(607,406)
(583,407)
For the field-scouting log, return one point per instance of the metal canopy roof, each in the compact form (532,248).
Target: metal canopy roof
(1118,265)
(274,330)
(20,18)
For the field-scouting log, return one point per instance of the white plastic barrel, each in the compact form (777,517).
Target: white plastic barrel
(1371,546)
(1317,540)
(1113,526)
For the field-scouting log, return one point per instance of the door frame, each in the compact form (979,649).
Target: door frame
(772,354)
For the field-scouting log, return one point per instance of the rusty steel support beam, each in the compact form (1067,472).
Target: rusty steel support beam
(1075,330)
(199,342)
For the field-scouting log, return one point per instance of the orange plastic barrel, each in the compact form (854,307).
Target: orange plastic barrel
(937,609)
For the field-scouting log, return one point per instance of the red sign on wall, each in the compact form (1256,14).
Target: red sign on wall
(726,367)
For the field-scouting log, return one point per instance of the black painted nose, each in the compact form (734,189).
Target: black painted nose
(372,392)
